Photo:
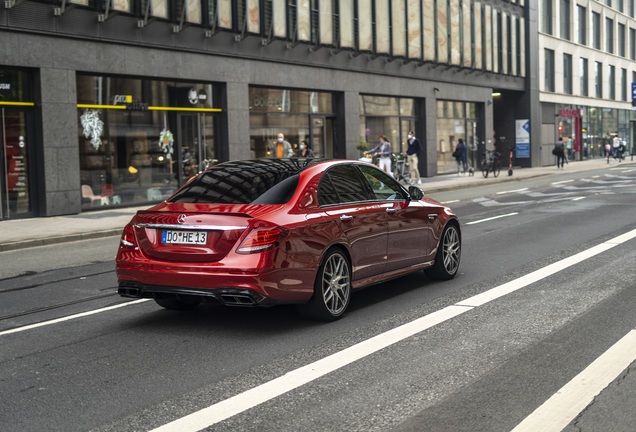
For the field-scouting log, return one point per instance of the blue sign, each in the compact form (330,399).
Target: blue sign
(523,150)
(633,91)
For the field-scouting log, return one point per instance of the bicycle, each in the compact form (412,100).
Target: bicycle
(401,171)
(491,163)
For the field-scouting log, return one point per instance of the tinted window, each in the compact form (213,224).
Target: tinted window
(384,187)
(326,192)
(346,183)
(243,182)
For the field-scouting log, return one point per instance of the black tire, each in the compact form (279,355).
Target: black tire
(496,168)
(332,289)
(510,172)
(484,169)
(174,304)
(448,255)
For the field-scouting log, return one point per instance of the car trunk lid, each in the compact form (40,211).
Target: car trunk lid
(194,232)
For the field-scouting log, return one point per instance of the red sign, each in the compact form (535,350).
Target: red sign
(570,113)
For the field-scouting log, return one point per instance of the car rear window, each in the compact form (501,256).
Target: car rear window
(242,182)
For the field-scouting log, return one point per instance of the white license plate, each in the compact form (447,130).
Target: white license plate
(184,237)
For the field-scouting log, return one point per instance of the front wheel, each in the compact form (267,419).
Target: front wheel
(496,168)
(332,289)
(447,256)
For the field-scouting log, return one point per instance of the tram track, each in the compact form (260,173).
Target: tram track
(37,285)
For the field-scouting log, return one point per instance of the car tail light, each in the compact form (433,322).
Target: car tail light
(262,239)
(127,237)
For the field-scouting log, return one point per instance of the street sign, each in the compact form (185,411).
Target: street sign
(522,138)
(633,91)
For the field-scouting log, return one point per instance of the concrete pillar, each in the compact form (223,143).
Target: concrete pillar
(238,120)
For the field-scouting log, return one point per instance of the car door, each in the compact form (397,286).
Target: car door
(410,229)
(346,200)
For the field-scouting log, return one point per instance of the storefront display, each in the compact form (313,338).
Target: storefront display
(390,116)
(16,148)
(140,140)
(299,115)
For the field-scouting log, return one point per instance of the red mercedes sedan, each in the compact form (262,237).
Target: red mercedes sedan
(280,231)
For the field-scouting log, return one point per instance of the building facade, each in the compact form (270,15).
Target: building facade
(120,102)
(587,67)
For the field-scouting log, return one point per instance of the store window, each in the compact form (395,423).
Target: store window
(17,171)
(140,140)
(390,116)
(300,115)
(455,121)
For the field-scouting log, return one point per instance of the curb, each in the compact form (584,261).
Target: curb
(477,183)
(60,239)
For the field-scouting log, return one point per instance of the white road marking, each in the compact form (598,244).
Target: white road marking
(70,317)
(449,202)
(578,198)
(491,218)
(296,378)
(558,411)
(564,181)
(512,191)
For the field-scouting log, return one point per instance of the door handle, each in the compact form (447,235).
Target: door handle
(432,216)
(391,211)
(346,218)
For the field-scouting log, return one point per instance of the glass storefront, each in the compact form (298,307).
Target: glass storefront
(140,140)
(389,116)
(455,120)
(299,115)
(17,182)
(598,128)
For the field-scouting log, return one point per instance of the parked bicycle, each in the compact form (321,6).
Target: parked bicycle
(401,171)
(491,163)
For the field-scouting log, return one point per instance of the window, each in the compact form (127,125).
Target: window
(611,81)
(608,3)
(564,13)
(621,40)
(620,6)
(549,70)
(581,25)
(624,84)
(630,4)
(383,186)
(596,30)
(567,73)
(546,16)
(347,184)
(632,44)
(583,75)
(598,79)
(609,35)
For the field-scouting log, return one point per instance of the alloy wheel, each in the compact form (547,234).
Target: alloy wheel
(336,287)
(451,250)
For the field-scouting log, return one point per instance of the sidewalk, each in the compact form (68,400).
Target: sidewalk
(26,233)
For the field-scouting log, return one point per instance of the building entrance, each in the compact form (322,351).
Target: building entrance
(14,165)
(195,135)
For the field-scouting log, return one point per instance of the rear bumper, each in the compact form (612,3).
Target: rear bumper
(227,296)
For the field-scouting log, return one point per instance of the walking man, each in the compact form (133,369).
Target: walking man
(283,148)
(412,155)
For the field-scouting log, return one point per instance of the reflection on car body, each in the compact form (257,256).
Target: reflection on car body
(275,231)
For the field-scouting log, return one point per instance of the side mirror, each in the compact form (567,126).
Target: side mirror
(416,193)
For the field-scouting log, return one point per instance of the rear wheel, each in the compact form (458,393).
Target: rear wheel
(178,304)
(332,289)
(496,168)
(448,255)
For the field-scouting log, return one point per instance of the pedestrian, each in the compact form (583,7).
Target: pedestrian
(559,152)
(384,148)
(460,154)
(608,149)
(283,148)
(304,150)
(616,142)
(621,150)
(412,155)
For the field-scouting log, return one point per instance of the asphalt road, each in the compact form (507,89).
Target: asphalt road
(481,367)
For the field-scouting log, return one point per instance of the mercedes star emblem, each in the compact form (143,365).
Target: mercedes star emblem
(181,219)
